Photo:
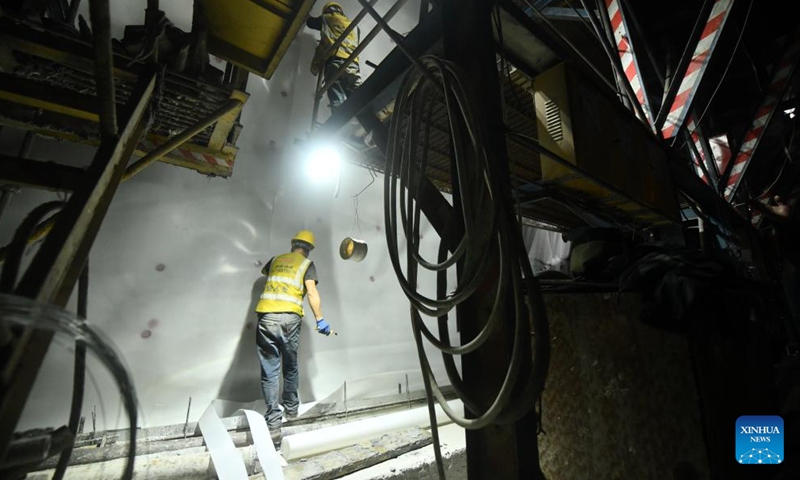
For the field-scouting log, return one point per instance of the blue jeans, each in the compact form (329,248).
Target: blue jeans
(278,337)
(345,85)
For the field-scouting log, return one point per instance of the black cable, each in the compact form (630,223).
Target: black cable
(79,376)
(16,249)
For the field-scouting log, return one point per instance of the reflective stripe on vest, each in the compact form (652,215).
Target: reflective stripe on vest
(281,296)
(333,25)
(284,289)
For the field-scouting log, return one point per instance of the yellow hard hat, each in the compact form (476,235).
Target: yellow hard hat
(306,236)
(330,5)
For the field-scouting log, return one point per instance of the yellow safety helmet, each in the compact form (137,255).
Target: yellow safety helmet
(305,236)
(330,6)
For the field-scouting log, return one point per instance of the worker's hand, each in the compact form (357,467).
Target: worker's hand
(323,327)
(315,69)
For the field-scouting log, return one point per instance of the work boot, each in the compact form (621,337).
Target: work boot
(291,415)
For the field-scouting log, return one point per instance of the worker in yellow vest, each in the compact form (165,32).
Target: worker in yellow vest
(290,277)
(331,24)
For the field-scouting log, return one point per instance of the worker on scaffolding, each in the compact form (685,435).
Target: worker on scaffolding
(290,277)
(331,24)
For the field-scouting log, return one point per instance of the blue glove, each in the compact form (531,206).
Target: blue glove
(323,327)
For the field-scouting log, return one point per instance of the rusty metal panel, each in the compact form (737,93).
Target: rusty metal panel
(620,400)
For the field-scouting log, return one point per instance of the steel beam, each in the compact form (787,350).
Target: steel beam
(329,82)
(181,138)
(390,70)
(627,55)
(52,274)
(508,451)
(781,79)
(680,95)
(100,12)
(45,175)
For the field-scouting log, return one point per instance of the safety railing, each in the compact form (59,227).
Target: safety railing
(325,84)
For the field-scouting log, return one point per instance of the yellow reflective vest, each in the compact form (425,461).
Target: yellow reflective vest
(285,288)
(333,25)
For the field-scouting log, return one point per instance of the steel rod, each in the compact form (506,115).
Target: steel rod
(100,13)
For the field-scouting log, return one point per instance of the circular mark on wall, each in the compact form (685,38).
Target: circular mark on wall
(258,263)
(146,333)
(152,323)
(378,228)
(160,267)
(371,279)
(249,325)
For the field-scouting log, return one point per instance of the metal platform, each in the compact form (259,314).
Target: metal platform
(50,90)
(526,51)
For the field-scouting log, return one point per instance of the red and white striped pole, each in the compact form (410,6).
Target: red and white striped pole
(696,68)
(775,91)
(627,56)
(697,153)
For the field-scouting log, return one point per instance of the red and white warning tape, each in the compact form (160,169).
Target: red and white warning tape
(752,138)
(627,55)
(148,145)
(697,67)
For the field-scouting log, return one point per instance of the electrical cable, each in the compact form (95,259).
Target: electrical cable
(16,249)
(26,312)
(79,376)
(490,247)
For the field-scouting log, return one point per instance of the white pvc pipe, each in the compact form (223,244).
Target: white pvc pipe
(340,436)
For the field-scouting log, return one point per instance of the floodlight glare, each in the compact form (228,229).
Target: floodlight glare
(323,163)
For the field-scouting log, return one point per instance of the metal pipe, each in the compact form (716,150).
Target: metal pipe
(353,24)
(100,14)
(180,139)
(363,44)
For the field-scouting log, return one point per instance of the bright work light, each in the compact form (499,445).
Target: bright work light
(323,162)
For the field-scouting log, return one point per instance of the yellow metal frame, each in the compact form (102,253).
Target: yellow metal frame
(217,146)
(254,34)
